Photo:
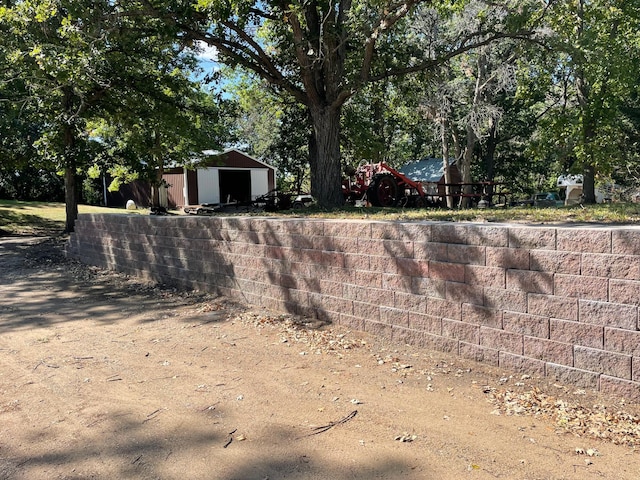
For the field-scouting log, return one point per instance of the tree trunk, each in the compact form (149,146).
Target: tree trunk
(588,124)
(589,184)
(157,185)
(70,184)
(465,166)
(490,159)
(70,198)
(326,179)
(444,130)
(588,168)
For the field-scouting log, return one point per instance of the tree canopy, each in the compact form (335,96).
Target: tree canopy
(323,53)
(501,86)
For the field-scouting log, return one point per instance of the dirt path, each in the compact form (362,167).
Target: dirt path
(104,377)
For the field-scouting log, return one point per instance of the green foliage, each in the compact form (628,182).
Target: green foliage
(595,51)
(106,83)
(320,85)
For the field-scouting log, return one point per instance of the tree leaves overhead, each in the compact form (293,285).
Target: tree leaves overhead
(73,64)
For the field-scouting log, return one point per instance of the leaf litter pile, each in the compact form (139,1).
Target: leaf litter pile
(610,423)
(316,339)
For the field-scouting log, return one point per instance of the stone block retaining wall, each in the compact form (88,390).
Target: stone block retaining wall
(556,301)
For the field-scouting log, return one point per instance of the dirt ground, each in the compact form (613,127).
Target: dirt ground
(105,377)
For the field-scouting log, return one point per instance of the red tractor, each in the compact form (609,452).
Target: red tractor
(380,185)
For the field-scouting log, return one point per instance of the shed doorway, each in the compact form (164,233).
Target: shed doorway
(235,186)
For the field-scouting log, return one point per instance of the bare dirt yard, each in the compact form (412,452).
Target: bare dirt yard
(103,376)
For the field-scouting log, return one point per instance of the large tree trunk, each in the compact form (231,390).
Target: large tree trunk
(70,184)
(589,184)
(70,198)
(588,169)
(156,186)
(326,179)
(588,124)
(465,166)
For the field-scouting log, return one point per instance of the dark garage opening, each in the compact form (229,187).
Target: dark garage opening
(235,185)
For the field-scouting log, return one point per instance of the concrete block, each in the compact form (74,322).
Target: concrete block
(333,259)
(507,258)
(382,264)
(532,238)
(505,300)
(555,262)
(501,340)
(446,271)
(520,363)
(436,252)
(378,329)
(444,308)
(609,314)
(440,344)
(394,316)
(493,277)
(486,235)
(368,246)
(410,302)
(577,333)
(352,322)
(600,361)
(392,283)
(626,389)
(449,233)
(380,296)
(331,304)
(611,266)
(526,324)
(489,317)
(622,341)
(415,232)
(479,353)
(530,281)
(398,248)
(553,307)
(580,286)
(464,293)
(461,330)
(412,268)
(466,254)
(366,311)
(407,336)
(573,376)
(626,242)
(425,323)
(429,287)
(548,350)
(348,229)
(635,369)
(583,240)
(624,291)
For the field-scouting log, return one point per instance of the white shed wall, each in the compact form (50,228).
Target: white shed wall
(208,185)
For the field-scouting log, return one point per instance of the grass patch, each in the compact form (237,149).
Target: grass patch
(40,218)
(614,213)
(45,219)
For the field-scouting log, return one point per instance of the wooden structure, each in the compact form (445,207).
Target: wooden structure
(216,177)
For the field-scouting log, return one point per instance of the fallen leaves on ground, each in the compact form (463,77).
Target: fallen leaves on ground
(317,338)
(598,421)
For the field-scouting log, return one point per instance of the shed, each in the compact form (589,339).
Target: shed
(223,177)
(215,177)
(430,171)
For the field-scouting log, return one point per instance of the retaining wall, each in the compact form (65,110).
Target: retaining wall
(556,301)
